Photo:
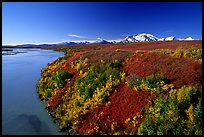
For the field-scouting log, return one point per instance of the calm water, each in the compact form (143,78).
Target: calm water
(22,111)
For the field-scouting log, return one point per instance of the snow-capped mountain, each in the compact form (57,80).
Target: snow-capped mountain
(65,43)
(161,39)
(84,42)
(101,41)
(170,38)
(129,39)
(149,37)
(143,37)
(189,38)
(140,38)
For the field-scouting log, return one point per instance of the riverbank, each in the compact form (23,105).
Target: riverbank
(118,89)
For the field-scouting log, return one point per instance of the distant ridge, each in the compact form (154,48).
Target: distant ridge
(142,37)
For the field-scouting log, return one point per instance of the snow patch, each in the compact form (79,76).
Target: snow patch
(189,38)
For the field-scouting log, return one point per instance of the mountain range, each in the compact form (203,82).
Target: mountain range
(142,37)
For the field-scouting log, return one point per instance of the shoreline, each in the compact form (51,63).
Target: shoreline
(69,130)
(98,52)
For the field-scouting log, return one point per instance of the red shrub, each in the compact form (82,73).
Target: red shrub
(179,71)
(67,62)
(125,103)
(54,101)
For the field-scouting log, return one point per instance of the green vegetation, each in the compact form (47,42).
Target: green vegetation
(79,63)
(48,84)
(85,102)
(97,78)
(90,89)
(169,115)
(64,58)
(152,83)
(178,112)
(67,51)
(192,53)
(60,78)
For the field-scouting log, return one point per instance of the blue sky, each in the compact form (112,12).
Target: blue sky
(50,22)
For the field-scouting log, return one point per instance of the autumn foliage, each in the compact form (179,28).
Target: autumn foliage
(147,88)
(179,71)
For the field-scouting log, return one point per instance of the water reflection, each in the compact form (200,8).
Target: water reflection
(38,126)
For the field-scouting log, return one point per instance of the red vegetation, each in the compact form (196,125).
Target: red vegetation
(157,45)
(179,71)
(125,103)
(106,56)
(54,101)
(67,62)
(131,47)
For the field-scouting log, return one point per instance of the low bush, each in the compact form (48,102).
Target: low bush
(168,117)
(48,84)
(96,78)
(179,71)
(91,88)
(60,78)
(67,51)
(178,53)
(116,64)
(154,83)
(193,53)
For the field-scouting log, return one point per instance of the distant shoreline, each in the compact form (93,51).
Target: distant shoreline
(7,50)
(21,47)
(45,46)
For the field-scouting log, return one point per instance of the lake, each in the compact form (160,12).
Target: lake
(22,111)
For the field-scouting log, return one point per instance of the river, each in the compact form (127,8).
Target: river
(22,111)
